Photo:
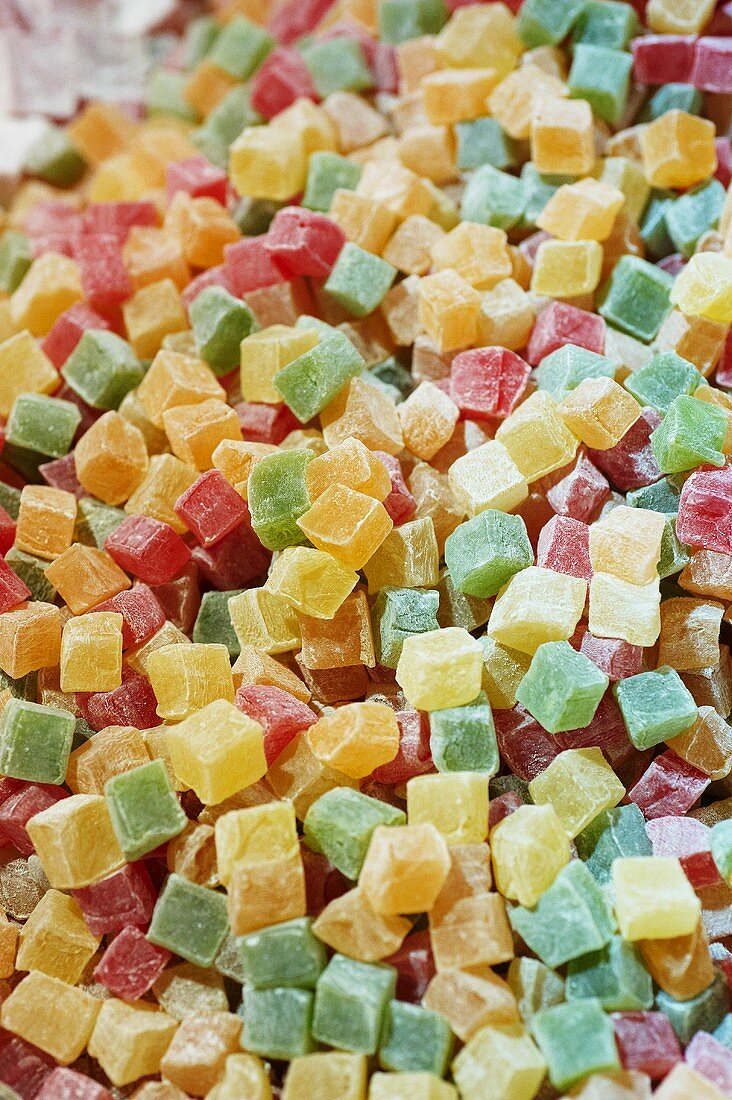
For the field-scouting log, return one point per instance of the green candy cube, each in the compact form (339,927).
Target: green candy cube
(41,427)
(144,809)
(661,496)
(570,919)
(32,571)
(220,322)
(672,97)
(415,1040)
(537,190)
(494,198)
(165,95)
(602,77)
(691,434)
(674,555)
(562,370)
(213,622)
(340,824)
(705,1012)
(313,379)
(201,33)
(278,497)
(692,215)
(653,231)
(277,1022)
(458,609)
(337,65)
(328,173)
(562,688)
(54,159)
(10,499)
(606,23)
(721,841)
(102,368)
(483,553)
(534,985)
(613,834)
(400,20)
(655,706)
(637,298)
(240,48)
(286,954)
(396,614)
(484,141)
(615,975)
(463,739)
(664,378)
(576,1039)
(35,741)
(96,521)
(359,280)
(350,1004)
(15,259)
(547,22)
(189,920)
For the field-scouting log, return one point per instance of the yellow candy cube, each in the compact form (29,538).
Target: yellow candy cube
(111,458)
(448,310)
(678,16)
(151,314)
(264,893)
(52,285)
(51,1015)
(257,834)
(654,899)
(529,849)
(254,667)
(536,606)
(428,418)
(267,162)
(513,101)
(169,634)
(619,609)
(55,939)
(346,524)
(404,869)
(91,652)
(410,247)
(476,36)
(456,803)
(333,1073)
(173,380)
(186,678)
(366,221)
(409,557)
(536,437)
(567,269)
(195,431)
(362,412)
(562,137)
(627,543)
(478,253)
(440,668)
(503,671)
(499,1062)
(129,1040)
(264,620)
(310,581)
(310,123)
(349,463)
(506,316)
(61,835)
(166,479)
(24,368)
(30,638)
(217,750)
(693,338)
(627,176)
(704,287)
(579,784)
(487,477)
(45,521)
(410,1086)
(678,150)
(265,353)
(683,1082)
(396,186)
(599,412)
(244,1075)
(100,130)
(458,95)
(582,211)
(355,738)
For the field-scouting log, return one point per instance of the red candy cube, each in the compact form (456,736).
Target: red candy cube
(323,882)
(561,324)
(712,69)
(13,590)
(125,898)
(280,715)
(413,756)
(180,599)
(148,548)
(486,383)
(133,703)
(500,807)
(525,746)
(142,615)
(415,966)
(630,464)
(581,493)
(69,329)
(685,839)
(564,546)
(303,242)
(67,1084)
(295,18)
(606,731)
(646,1042)
(198,177)
(60,473)
(23,1067)
(265,423)
(669,786)
(663,58)
(400,504)
(118,218)
(17,810)
(131,964)
(235,562)
(211,508)
(248,266)
(104,277)
(613,656)
(705,510)
(712,1059)
(280,80)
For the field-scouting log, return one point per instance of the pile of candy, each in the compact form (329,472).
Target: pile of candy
(366,576)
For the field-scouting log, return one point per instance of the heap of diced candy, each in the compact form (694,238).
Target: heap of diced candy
(366,588)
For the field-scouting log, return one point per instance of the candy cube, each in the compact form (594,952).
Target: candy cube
(487,477)
(391,881)
(216,764)
(91,652)
(691,434)
(351,1000)
(653,898)
(556,1030)
(462,739)
(278,1022)
(35,741)
(311,581)
(562,137)
(536,606)
(101,369)
(60,835)
(619,609)
(129,1040)
(655,706)
(529,848)
(500,1059)
(286,954)
(189,920)
(415,1039)
(256,835)
(349,525)
(340,824)
(45,521)
(704,287)
(54,1016)
(265,353)
(439,669)
(456,803)
(144,810)
(678,150)
(577,687)
(356,738)
(51,286)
